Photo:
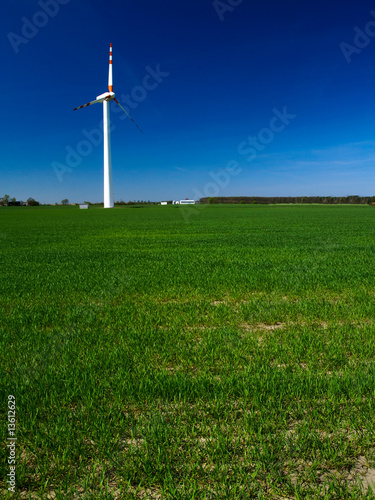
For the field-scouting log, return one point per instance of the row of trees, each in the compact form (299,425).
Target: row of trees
(263,200)
(65,201)
(6,201)
(138,202)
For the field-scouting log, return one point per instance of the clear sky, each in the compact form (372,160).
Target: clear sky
(257,98)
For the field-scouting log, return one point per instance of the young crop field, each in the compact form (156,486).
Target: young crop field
(202,352)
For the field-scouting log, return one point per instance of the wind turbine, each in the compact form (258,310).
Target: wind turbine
(105,98)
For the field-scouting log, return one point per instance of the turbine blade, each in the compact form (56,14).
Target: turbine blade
(89,104)
(124,110)
(110,83)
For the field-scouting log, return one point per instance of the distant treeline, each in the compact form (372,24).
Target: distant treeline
(138,202)
(264,200)
(121,202)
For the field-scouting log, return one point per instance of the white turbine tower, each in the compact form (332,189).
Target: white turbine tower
(105,99)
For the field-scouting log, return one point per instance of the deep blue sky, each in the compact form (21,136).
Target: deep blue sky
(227,73)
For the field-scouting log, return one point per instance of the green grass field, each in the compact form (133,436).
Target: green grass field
(213,352)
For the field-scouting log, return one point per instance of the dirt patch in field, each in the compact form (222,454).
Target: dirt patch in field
(218,303)
(363,473)
(262,326)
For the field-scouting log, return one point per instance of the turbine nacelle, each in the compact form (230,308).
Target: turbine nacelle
(106,96)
